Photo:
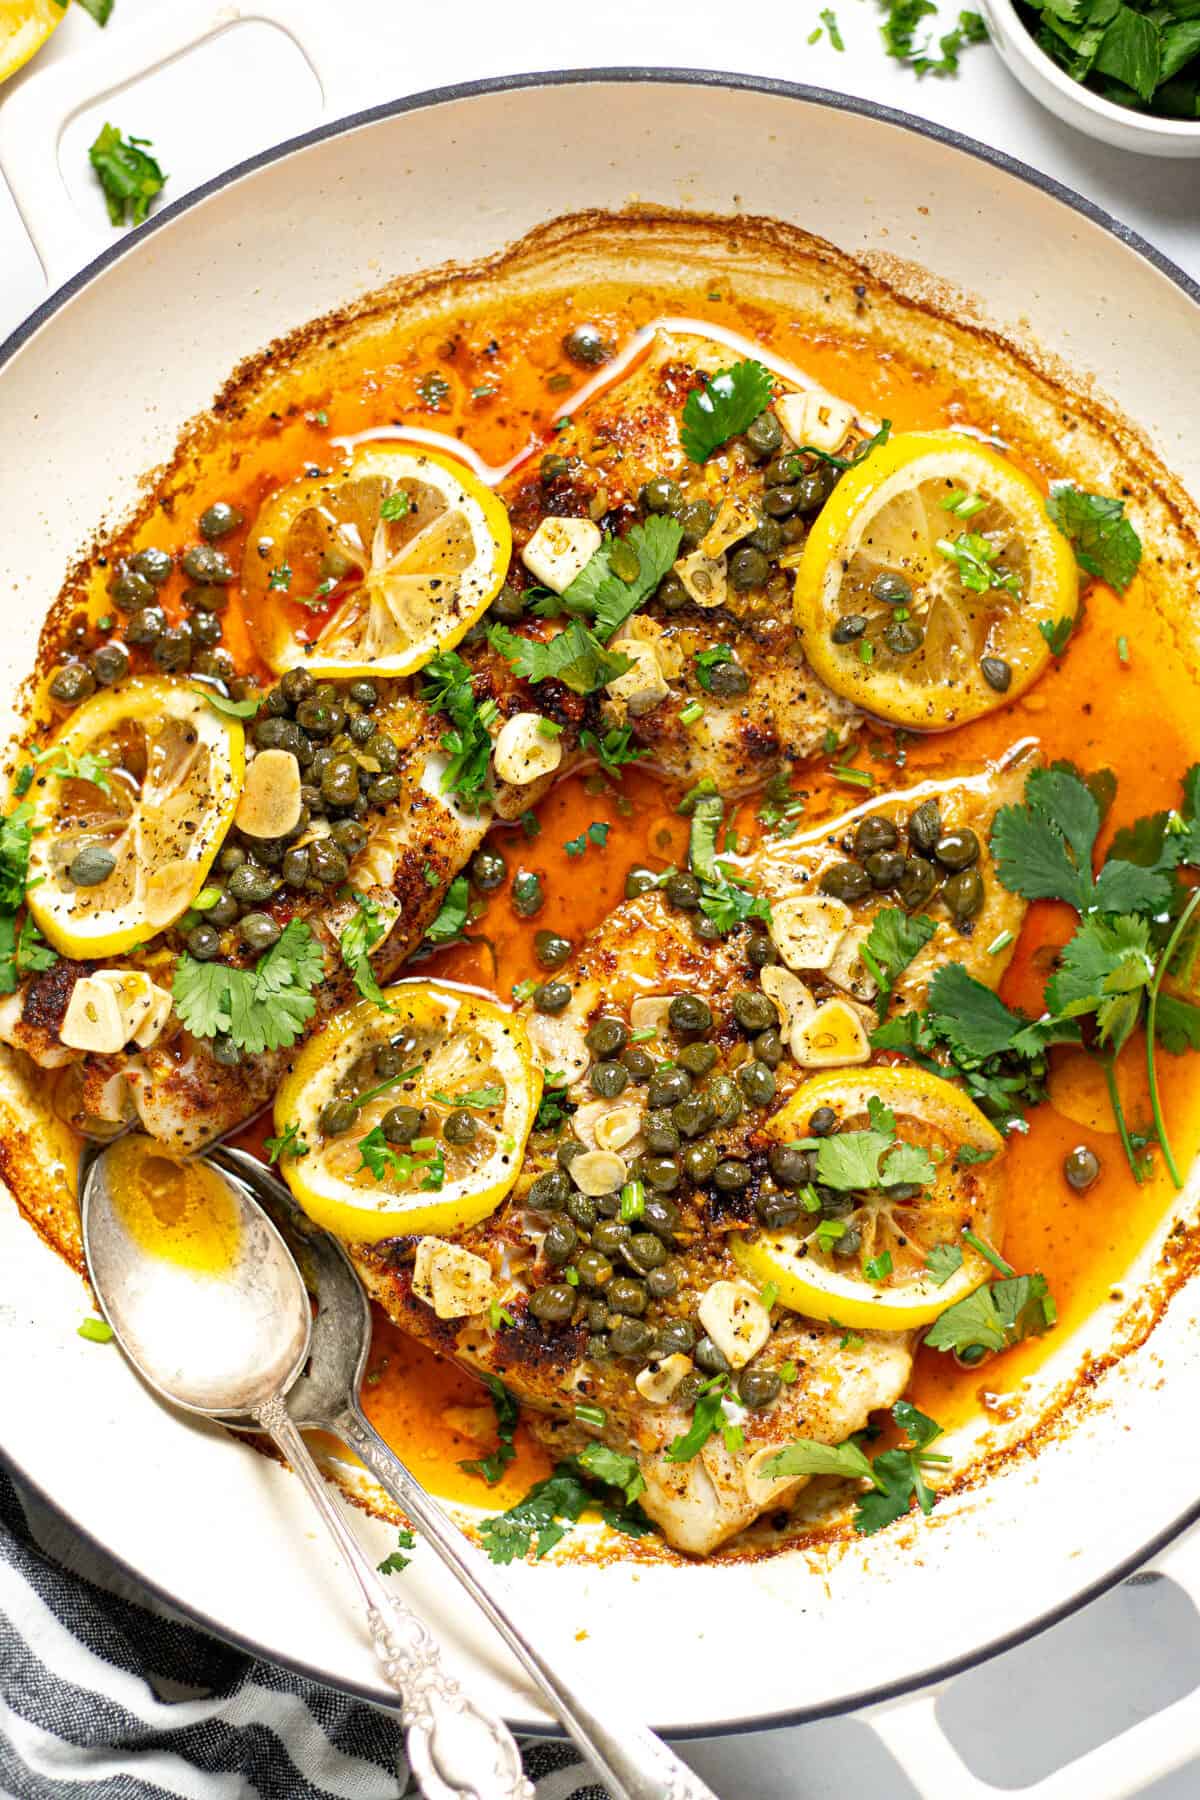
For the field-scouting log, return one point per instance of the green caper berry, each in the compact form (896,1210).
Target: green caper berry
(695,517)
(401,1124)
(757,1083)
(748,568)
(91,865)
(728,681)
(639,880)
(767,536)
(725,1097)
(730,1176)
(660,1215)
(460,1127)
(278,734)
(328,865)
(552,1304)
(320,718)
(551,997)
(202,563)
(586,346)
(768,1047)
(709,1357)
(903,637)
(206,631)
(697,1058)
(222,912)
(761,952)
(363,693)
(885,869)
(349,835)
(384,790)
(218,520)
(608,1079)
(72,683)
(658,1129)
(110,663)
(130,589)
(891,589)
(780,500)
(661,1283)
(699,1161)
(360,728)
(660,496)
(764,434)
(667,1086)
(639,1063)
(560,1241)
(683,891)
(340,781)
(814,488)
(996,672)
(295,867)
(258,931)
(383,750)
(758,1387)
(917,882)
(791,1167)
(155,565)
(203,942)
(661,1173)
(630,1337)
(776,1210)
(232,856)
(755,1011)
(1081,1167)
(675,1337)
(550,1192)
(488,870)
(251,885)
(874,834)
(925,827)
(625,1295)
(846,881)
(567,1151)
(606,1037)
(581,1209)
(645,1251)
(672,593)
(509,606)
(963,894)
(609,1235)
(689,1012)
(694,1115)
(849,628)
(957,849)
(337,1116)
(146,627)
(595,1270)
(528,896)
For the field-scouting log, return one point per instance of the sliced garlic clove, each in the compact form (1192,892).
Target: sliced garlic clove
(658,1381)
(789,994)
(524,751)
(607,1124)
(270,801)
(559,550)
(93,1018)
(599,1172)
(736,519)
(848,970)
(169,891)
(815,417)
(735,1319)
(643,686)
(762,1488)
(704,577)
(649,1012)
(454,1281)
(559,1045)
(832,1037)
(807,929)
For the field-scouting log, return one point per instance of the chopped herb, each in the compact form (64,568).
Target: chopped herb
(499,1315)
(289,1143)
(691,712)
(879,1267)
(1123,650)
(892,943)
(899,31)
(24,781)
(433,389)
(451,919)
(896,1476)
(100,10)
(280,577)
(128,174)
(614,750)
(995,1317)
(975,558)
(853,777)
(531,825)
(508,1412)
(542,1519)
(707,1416)
(232,709)
(397,1562)
(449,689)
(96,1331)
(633,1200)
(554,1105)
(476,1099)
(829,20)
(1106,545)
(1057,633)
(92,765)
(364,933)
(728,402)
(606,598)
(591,1415)
(708,660)
(395,505)
(576,657)
(264,1008)
(943,1261)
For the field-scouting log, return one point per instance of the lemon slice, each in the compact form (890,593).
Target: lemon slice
(459,1057)
(376,569)
(980,567)
(170,771)
(893,1235)
(24,27)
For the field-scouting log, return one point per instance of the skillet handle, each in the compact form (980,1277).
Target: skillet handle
(34,115)
(634,1763)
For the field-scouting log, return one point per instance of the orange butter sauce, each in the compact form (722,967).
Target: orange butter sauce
(1136,716)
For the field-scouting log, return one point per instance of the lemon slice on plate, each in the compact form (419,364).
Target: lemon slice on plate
(894,1235)
(375,569)
(24,27)
(460,1072)
(923,585)
(141,783)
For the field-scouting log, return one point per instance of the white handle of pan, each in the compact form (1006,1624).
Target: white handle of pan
(33,118)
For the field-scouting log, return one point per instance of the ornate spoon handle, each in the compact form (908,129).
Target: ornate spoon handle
(456,1750)
(634,1763)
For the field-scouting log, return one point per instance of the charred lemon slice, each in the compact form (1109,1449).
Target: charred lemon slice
(892,1255)
(130,803)
(412,1119)
(24,27)
(925,581)
(376,569)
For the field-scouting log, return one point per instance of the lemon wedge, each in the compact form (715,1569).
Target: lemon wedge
(923,586)
(145,779)
(894,1236)
(24,27)
(375,569)
(460,1072)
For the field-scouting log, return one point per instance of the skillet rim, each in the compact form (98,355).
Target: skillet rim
(668,77)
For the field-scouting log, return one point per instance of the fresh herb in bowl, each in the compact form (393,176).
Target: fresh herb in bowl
(1143,55)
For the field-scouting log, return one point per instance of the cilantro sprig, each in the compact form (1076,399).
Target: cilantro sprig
(1106,544)
(599,1477)
(896,1476)
(607,598)
(263,1008)
(364,933)
(728,402)
(575,656)
(508,1412)
(449,689)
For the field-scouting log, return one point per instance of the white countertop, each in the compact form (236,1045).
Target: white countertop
(1148,1631)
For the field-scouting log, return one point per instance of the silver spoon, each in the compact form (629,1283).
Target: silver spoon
(635,1764)
(212,1311)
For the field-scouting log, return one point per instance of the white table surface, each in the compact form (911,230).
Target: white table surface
(1149,1631)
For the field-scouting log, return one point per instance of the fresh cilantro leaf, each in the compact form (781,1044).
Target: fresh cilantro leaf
(232,709)
(728,402)
(829,20)
(34,955)
(708,660)
(449,689)
(575,657)
(264,1008)
(879,1267)
(605,597)
(451,919)
(539,1521)
(1106,544)
(707,1416)
(476,1099)
(289,1143)
(397,1562)
(129,175)
(708,812)
(367,929)
(975,557)
(896,1476)
(855,1159)
(806,1457)
(100,10)
(995,1317)
(614,1468)
(395,505)
(729,901)
(1178,1024)
(1043,850)
(967,1155)
(508,1412)
(92,765)
(892,942)
(554,1105)
(614,750)
(943,1261)
(1105,958)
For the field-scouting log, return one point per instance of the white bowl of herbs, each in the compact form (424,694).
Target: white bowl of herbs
(1126,71)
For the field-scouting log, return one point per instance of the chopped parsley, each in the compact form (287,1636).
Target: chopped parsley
(728,402)
(92,765)
(554,1105)
(128,174)
(708,660)
(449,689)
(708,1415)
(424,1157)
(596,833)
(263,1008)
(1057,633)
(614,750)
(395,505)
(899,30)
(365,931)
(995,1317)
(508,1412)
(451,919)
(975,557)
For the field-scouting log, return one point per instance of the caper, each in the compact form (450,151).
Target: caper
(630,1337)
(708,930)
(689,1012)
(156,565)
(694,1115)
(1081,1167)
(767,536)
(328,865)
(626,1295)
(349,835)
(723,1093)
(336,1116)
(917,882)
(552,467)
(363,692)
(639,880)
(850,1242)
(996,672)
(695,519)
(581,1209)
(295,867)
(676,1337)
(225,1051)
(728,681)
(667,1086)
(552,1304)
(383,750)
(231,856)
(697,1058)
(761,951)
(885,869)
(528,896)
(488,870)
(658,1129)
(222,912)
(251,885)
(764,434)
(758,1387)
(560,1241)
(401,1124)
(206,631)
(608,1079)
(205,601)
(586,346)
(754,1010)
(757,1082)
(781,500)
(218,666)
(903,637)
(731,1175)
(957,849)
(791,1167)
(274,733)
(748,568)
(925,826)
(551,949)
(874,833)
(595,1271)
(339,781)
(699,1161)
(460,1127)
(551,997)
(710,1357)
(203,942)
(108,664)
(814,488)
(782,470)
(639,1063)
(146,626)
(258,931)
(609,1235)
(849,627)
(661,1283)
(384,790)
(130,589)
(963,894)
(776,1210)
(645,1251)
(201,562)
(218,520)
(660,496)
(360,728)
(508,606)
(672,593)
(567,1151)
(606,1036)
(683,891)
(847,881)
(822,1122)
(320,718)
(661,1173)
(91,865)
(891,589)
